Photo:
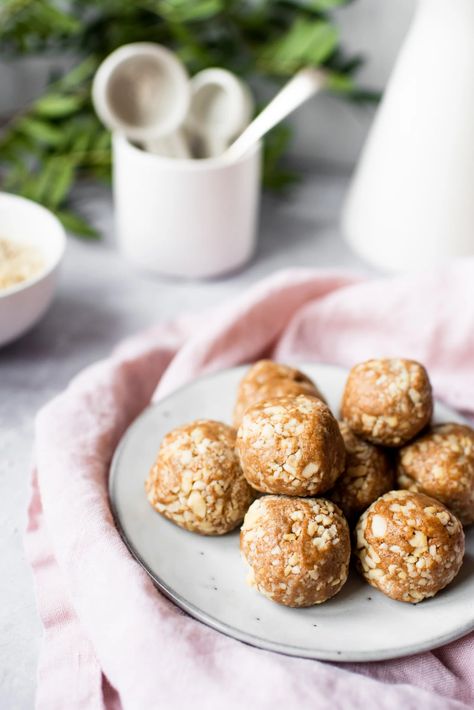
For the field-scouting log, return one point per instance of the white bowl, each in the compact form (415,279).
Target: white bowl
(26,222)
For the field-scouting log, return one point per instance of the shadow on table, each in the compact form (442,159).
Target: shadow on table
(72,327)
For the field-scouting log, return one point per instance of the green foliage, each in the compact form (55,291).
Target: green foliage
(57,140)
(306,43)
(275,176)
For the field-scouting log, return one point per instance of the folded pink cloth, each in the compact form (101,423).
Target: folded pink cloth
(110,639)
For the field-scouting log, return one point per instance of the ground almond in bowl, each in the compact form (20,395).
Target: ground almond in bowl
(18,263)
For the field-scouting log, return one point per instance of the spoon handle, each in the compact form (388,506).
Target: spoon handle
(298,90)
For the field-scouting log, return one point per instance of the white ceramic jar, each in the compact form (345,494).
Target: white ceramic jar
(411,202)
(191,218)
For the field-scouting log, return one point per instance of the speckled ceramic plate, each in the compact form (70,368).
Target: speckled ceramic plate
(205,576)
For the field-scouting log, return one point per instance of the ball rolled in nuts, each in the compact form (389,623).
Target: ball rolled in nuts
(367,475)
(441,464)
(409,546)
(266,380)
(291,445)
(387,401)
(298,549)
(197,481)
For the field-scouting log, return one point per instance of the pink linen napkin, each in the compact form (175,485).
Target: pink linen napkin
(110,639)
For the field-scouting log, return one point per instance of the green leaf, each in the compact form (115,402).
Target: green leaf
(308,42)
(319,5)
(103,141)
(79,74)
(37,184)
(16,175)
(276,177)
(364,96)
(276,142)
(190,10)
(13,146)
(79,143)
(40,130)
(62,21)
(279,180)
(50,184)
(101,173)
(77,225)
(339,83)
(349,65)
(57,105)
(62,178)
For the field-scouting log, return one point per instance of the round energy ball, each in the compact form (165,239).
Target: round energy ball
(368,474)
(298,549)
(267,380)
(291,445)
(387,401)
(441,464)
(409,546)
(196,480)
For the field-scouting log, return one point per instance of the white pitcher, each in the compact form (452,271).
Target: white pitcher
(411,202)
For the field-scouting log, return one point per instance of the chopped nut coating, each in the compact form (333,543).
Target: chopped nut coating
(266,380)
(298,549)
(291,445)
(197,481)
(409,546)
(387,401)
(368,474)
(441,464)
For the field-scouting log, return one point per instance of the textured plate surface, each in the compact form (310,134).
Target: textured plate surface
(206,576)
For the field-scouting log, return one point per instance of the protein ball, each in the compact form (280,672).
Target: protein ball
(368,474)
(267,380)
(298,549)
(387,401)
(196,480)
(409,546)
(291,445)
(441,464)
